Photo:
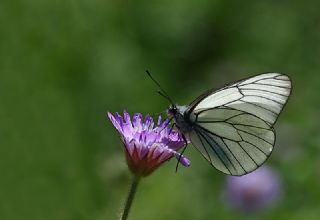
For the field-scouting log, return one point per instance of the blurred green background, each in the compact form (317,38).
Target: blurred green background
(64,64)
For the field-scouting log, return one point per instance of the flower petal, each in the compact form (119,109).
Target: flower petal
(159,120)
(148,123)
(126,117)
(183,160)
(137,122)
(116,122)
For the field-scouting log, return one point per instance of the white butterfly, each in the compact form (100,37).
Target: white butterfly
(233,127)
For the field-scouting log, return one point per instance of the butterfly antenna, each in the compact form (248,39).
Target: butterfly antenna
(164,96)
(161,92)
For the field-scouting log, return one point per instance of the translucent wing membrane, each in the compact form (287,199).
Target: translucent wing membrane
(233,127)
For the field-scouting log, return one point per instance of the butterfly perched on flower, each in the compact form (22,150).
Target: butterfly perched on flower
(232,127)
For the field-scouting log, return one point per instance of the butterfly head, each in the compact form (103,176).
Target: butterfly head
(172,110)
(175,110)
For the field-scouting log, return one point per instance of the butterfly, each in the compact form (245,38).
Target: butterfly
(232,127)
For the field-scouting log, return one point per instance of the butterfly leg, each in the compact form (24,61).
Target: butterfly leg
(172,128)
(182,152)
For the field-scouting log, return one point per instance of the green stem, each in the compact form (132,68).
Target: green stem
(129,200)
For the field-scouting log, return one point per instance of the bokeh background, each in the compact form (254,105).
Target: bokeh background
(65,63)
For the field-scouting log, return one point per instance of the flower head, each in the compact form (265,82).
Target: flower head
(147,146)
(254,191)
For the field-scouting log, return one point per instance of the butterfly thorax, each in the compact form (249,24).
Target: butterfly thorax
(178,113)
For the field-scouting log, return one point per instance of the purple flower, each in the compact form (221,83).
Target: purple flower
(254,191)
(147,146)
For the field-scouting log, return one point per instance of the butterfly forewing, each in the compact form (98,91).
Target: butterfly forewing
(233,126)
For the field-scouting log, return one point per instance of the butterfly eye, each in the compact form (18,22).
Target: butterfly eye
(170,111)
